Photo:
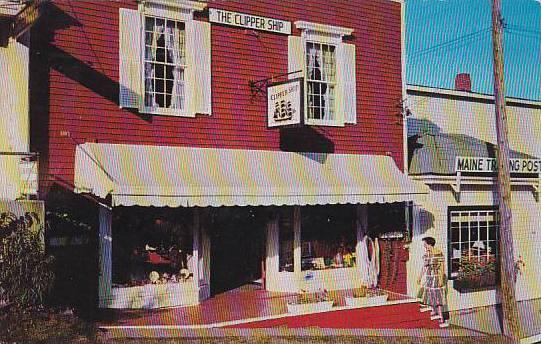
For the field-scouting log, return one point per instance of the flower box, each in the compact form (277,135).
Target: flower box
(312,307)
(366,301)
(475,282)
(476,273)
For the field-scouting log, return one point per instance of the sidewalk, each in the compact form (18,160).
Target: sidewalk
(488,319)
(304,335)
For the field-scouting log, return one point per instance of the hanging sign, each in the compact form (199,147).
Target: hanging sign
(27,17)
(249,21)
(284,103)
(480,164)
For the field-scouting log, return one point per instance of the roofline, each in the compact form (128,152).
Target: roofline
(469,95)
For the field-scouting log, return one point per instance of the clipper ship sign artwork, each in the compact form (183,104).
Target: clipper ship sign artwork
(284,103)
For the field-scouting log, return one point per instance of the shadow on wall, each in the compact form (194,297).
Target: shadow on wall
(305,139)
(71,237)
(73,68)
(426,222)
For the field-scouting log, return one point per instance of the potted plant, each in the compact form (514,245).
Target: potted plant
(310,302)
(365,297)
(476,273)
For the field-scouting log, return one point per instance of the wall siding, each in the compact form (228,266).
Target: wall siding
(79,39)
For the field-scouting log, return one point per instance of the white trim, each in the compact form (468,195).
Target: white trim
(165,111)
(470,95)
(404,57)
(531,340)
(470,180)
(177,4)
(323,28)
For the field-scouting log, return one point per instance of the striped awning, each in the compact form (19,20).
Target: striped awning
(185,176)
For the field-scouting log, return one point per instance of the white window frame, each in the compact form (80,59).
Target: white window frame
(326,35)
(327,107)
(465,216)
(182,111)
(180,11)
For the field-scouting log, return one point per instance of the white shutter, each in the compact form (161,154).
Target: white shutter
(346,93)
(198,72)
(295,63)
(130,58)
(295,56)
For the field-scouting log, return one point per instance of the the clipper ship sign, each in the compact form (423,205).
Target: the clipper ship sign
(284,103)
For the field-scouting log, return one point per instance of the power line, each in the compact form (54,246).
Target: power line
(470,37)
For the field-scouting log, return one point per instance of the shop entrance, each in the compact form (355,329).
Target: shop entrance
(237,242)
(388,223)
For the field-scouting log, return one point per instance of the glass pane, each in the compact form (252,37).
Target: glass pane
(285,227)
(151,244)
(328,237)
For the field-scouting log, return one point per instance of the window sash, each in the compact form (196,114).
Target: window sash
(320,71)
(164,63)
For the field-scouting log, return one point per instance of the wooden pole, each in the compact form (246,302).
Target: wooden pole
(511,321)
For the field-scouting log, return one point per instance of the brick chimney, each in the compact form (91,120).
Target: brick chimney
(463,82)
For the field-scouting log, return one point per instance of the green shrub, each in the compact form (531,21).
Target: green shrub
(26,272)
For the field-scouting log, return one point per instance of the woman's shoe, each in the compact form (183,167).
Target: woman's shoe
(435,317)
(444,324)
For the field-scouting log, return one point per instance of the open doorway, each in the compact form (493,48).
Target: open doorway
(388,223)
(237,242)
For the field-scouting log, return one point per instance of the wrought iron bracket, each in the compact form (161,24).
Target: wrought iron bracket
(260,86)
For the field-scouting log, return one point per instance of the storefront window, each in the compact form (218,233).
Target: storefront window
(328,237)
(285,224)
(151,246)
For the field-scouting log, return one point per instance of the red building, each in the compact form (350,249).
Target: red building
(152,123)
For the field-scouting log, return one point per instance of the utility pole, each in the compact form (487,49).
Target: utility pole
(511,321)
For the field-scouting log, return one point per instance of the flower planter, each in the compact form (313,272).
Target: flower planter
(366,300)
(473,284)
(312,307)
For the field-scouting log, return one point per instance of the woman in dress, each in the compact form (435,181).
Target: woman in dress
(434,280)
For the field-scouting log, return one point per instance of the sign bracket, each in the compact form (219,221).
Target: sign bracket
(456,186)
(259,86)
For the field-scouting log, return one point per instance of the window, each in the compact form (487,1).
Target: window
(285,225)
(151,246)
(328,237)
(473,241)
(328,67)
(164,59)
(165,62)
(320,80)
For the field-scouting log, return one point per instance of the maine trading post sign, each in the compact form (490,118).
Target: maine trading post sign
(480,164)
(284,103)
(249,21)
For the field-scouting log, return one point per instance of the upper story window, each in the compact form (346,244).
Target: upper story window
(328,67)
(165,59)
(165,63)
(320,80)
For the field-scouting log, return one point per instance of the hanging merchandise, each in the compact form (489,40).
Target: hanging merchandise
(364,262)
(373,265)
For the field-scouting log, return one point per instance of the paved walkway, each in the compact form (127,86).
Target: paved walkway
(247,303)
(488,319)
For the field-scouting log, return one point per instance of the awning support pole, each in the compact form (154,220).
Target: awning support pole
(195,248)
(297,246)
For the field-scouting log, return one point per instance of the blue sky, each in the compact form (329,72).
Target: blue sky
(446,37)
